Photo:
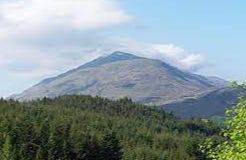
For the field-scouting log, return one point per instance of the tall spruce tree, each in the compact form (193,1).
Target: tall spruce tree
(111,148)
(6,150)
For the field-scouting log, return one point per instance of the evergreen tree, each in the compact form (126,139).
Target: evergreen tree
(94,128)
(111,148)
(44,140)
(6,150)
(56,145)
(91,149)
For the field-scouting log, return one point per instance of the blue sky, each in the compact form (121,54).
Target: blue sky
(214,28)
(42,38)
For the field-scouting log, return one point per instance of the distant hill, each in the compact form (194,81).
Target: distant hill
(209,105)
(219,82)
(119,74)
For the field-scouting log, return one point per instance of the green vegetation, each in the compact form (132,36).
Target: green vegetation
(219,120)
(87,128)
(233,146)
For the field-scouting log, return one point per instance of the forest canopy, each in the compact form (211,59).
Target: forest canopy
(91,128)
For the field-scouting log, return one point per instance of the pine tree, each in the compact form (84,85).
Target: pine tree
(44,139)
(6,150)
(111,149)
(91,149)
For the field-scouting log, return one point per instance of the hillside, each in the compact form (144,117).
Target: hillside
(119,75)
(87,128)
(212,104)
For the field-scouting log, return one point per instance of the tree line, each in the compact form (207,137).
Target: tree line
(94,128)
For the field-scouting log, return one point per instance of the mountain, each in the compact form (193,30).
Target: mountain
(212,104)
(219,81)
(122,74)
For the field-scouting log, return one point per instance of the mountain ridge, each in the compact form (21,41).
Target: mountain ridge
(121,74)
(97,62)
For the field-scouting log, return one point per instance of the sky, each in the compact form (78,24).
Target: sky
(43,38)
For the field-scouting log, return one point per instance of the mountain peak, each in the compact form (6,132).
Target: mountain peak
(114,57)
(123,55)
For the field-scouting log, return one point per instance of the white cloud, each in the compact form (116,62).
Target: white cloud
(192,61)
(3,60)
(20,17)
(45,32)
(179,56)
(170,53)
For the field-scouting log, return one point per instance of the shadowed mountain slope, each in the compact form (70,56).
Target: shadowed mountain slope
(212,104)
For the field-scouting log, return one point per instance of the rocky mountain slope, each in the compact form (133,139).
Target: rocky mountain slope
(121,74)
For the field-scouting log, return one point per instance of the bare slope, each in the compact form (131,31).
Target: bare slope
(121,74)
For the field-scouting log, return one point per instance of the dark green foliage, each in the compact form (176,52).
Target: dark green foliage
(111,149)
(87,128)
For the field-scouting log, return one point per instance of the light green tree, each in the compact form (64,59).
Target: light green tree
(6,150)
(234,145)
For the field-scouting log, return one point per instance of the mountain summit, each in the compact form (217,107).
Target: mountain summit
(122,74)
(114,57)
